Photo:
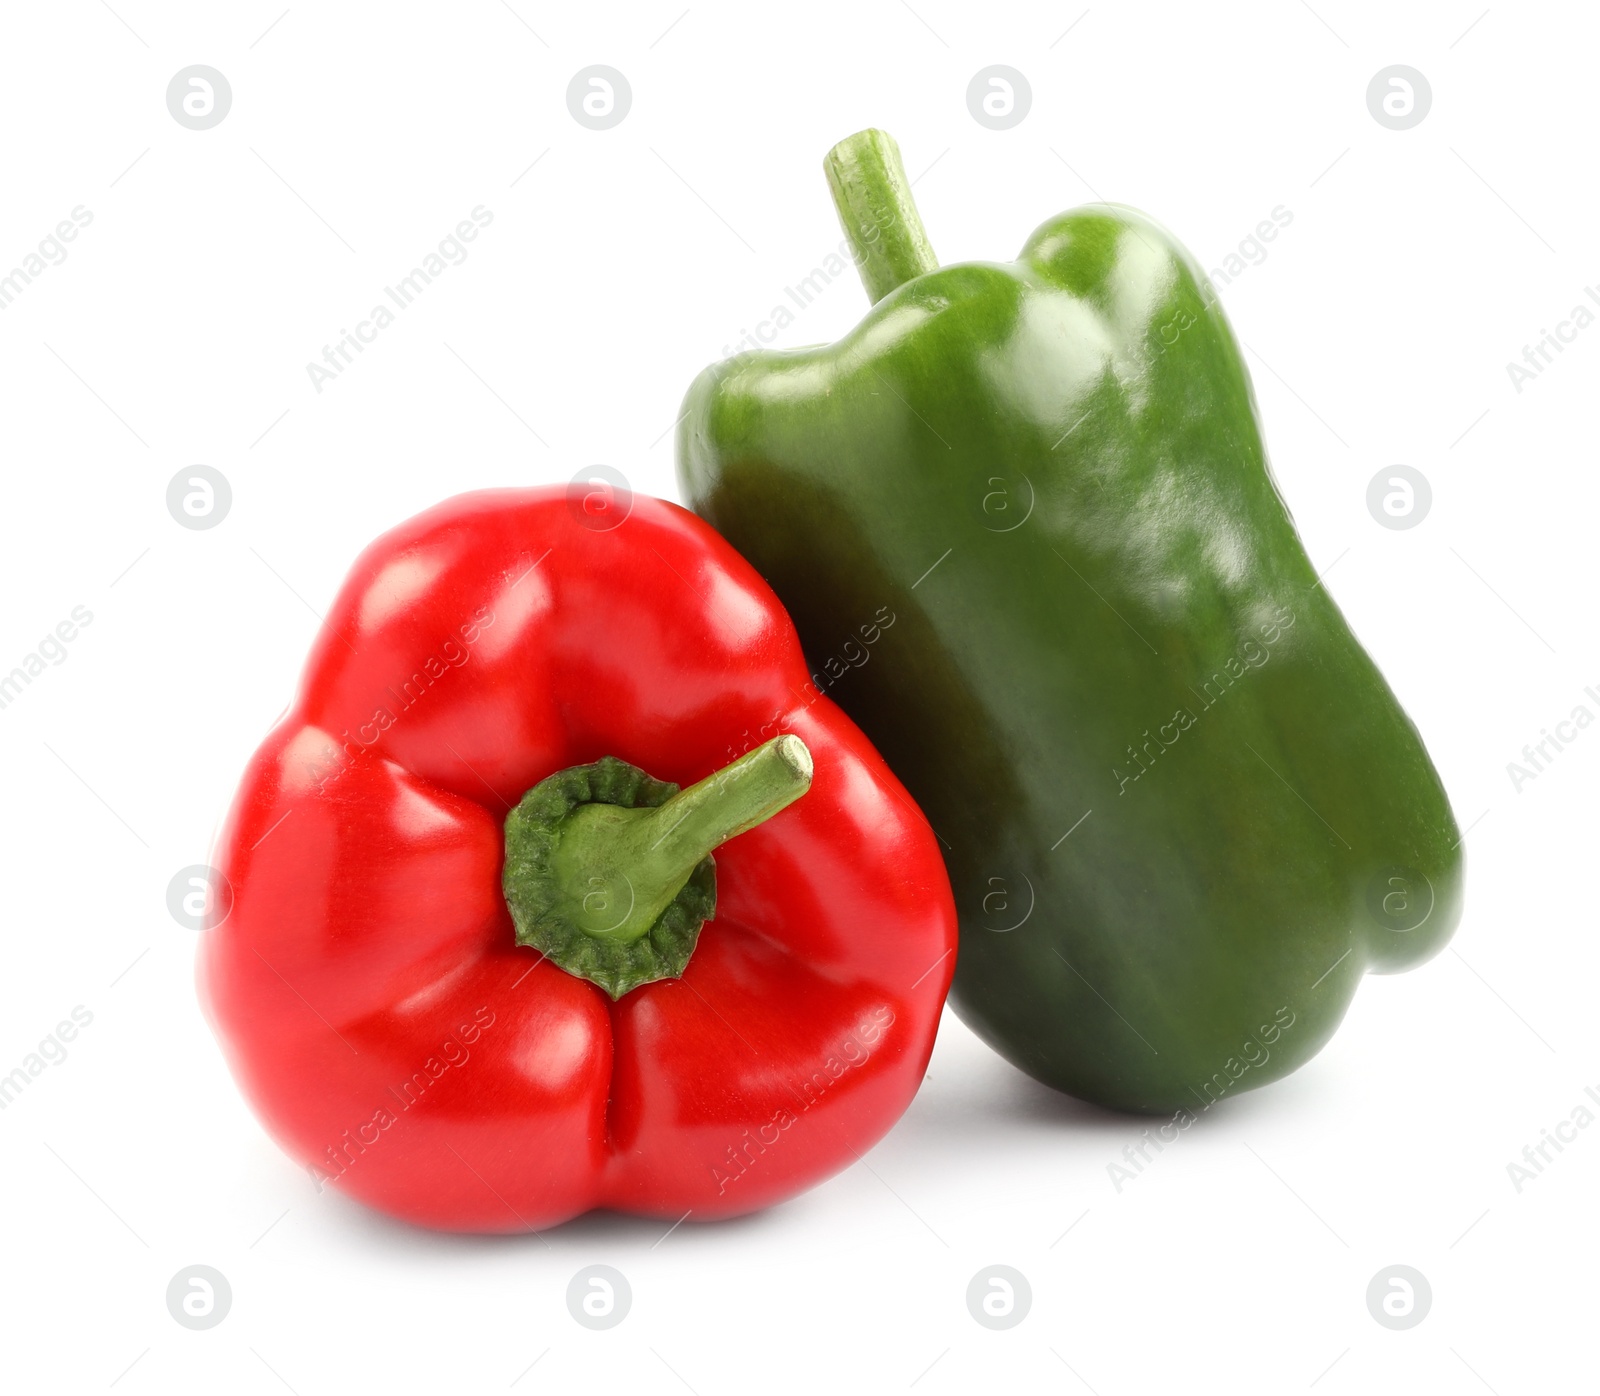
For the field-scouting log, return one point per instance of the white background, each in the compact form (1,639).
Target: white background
(177,331)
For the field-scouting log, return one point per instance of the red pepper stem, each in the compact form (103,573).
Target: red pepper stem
(608,872)
(730,802)
(877,212)
(620,869)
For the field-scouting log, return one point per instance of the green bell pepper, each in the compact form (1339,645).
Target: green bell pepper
(1182,811)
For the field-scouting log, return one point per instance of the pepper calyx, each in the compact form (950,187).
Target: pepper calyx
(609,872)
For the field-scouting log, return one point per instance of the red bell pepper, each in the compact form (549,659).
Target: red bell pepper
(509,670)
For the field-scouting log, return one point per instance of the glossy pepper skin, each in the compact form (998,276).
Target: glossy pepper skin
(1182,811)
(367,987)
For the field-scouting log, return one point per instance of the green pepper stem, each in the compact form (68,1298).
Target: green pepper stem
(617,870)
(877,212)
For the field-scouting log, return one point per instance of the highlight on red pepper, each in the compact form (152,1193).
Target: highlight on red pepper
(562,886)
